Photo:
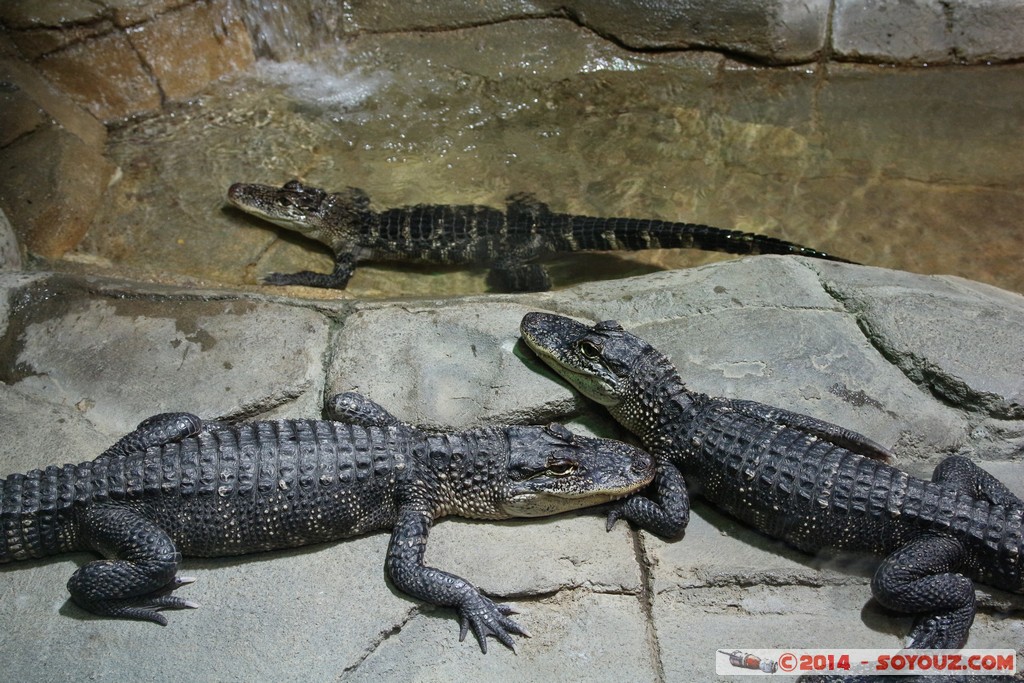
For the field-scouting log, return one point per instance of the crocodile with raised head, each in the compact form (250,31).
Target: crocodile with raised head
(810,483)
(506,241)
(177,486)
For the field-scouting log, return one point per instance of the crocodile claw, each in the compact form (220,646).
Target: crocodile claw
(615,513)
(144,608)
(487,618)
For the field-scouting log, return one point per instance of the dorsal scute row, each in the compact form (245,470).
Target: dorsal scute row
(55,487)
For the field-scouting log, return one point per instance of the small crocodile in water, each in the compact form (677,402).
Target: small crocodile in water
(177,486)
(811,483)
(505,241)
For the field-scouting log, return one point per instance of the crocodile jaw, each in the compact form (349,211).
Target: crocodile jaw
(554,339)
(293,206)
(545,504)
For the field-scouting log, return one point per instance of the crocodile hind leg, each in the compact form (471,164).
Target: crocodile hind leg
(921,578)
(136,582)
(668,517)
(158,430)
(344,266)
(966,476)
(354,408)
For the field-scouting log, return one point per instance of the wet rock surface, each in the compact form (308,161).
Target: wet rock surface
(10,253)
(604,108)
(84,358)
(57,188)
(914,170)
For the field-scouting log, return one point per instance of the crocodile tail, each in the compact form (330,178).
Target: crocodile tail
(995,538)
(632,234)
(36,510)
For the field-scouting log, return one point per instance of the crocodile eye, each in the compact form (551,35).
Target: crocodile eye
(293,185)
(560,432)
(588,349)
(560,468)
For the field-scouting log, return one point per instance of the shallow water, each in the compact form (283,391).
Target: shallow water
(916,169)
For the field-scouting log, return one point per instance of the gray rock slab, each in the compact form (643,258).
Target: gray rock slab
(778,31)
(538,556)
(299,615)
(585,636)
(785,284)
(892,30)
(988,30)
(45,433)
(439,364)
(928,31)
(123,359)
(940,332)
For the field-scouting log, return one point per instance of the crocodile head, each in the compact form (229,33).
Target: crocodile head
(310,211)
(552,470)
(609,365)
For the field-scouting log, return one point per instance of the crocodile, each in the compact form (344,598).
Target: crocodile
(506,241)
(813,484)
(178,486)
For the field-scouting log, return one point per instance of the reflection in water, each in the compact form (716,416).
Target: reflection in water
(916,169)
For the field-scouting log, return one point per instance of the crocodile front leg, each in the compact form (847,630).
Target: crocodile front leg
(354,408)
(344,266)
(668,517)
(921,578)
(135,584)
(406,570)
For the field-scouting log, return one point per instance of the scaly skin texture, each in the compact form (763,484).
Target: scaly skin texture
(176,486)
(506,241)
(813,484)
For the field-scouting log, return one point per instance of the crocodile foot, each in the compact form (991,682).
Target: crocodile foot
(488,618)
(668,517)
(143,607)
(947,631)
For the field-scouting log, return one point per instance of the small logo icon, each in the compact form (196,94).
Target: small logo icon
(745,660)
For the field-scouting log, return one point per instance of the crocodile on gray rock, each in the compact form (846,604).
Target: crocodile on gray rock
(176,486)
(810,483)
(508,242)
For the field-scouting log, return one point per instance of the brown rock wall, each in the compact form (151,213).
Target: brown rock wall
(127,56)
(105,75)
(52,185)
(187,48)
